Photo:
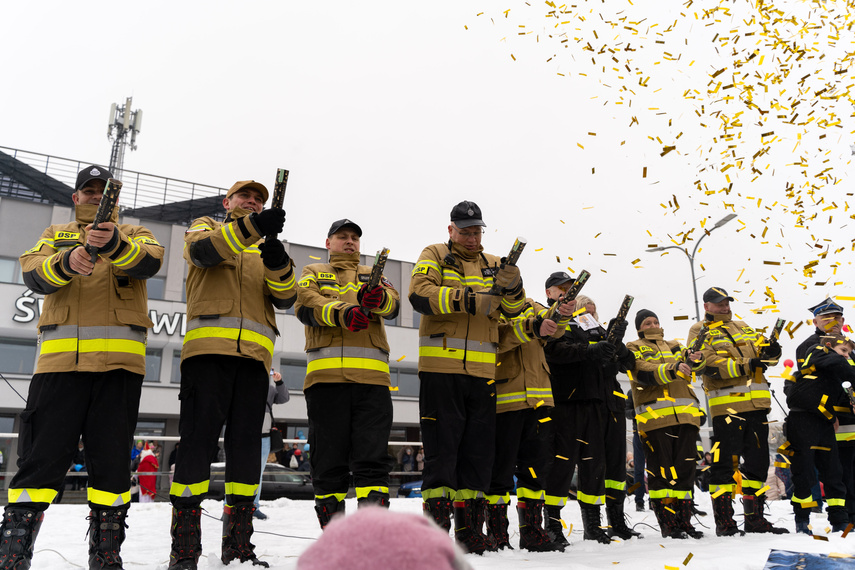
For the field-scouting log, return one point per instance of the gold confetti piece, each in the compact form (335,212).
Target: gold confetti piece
(491,382)
(393,388)
(533,474)
(688,559)
(762,490)
(313,257)
(562,457)
(718,493)
(681,318)
(849,528)
(820,537)
(539,249)
(619,394)
(402,358)
(643,170)
(820,448)
(544,420)
(673,472)
(842,298)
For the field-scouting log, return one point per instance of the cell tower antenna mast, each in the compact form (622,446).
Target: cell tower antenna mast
(123,127)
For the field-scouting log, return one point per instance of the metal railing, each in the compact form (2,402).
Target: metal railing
(139,190)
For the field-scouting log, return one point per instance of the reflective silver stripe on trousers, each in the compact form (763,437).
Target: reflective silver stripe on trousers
(347,352)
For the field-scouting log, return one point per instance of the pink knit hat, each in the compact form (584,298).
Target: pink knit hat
(375,537)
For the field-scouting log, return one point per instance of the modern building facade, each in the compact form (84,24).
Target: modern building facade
(30,200)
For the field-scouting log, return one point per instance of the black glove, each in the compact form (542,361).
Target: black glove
(269,222)
(535,327)
(755,363)
(772,351)
(370,299)
(618,329)
(480,303)
(273,253)
(355,320)
(621,350)
(603,350)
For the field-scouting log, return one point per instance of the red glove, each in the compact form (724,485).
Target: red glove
(355,320)
(370,299)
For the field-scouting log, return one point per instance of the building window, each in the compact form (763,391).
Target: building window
(152,364)
(407,382)
(10,270)
(293,373)
(176,367)
(155,286)
(17,356)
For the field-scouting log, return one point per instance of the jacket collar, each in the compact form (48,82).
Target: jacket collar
(84,214)
(344,260)
(652,334)
(726,317)
(464,253)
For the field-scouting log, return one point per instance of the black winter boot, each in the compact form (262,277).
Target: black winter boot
(186,531)
(106,535)
(533,537)
(375,498)
(723,514)
(617,522)
(591,523)
(237,530)
(554,528)
(838,518)
(666,516)
(480,510)
(754,519)
(497,526)
(465,532)
(18,533)
(685,510)
(439,509)
(803,522)
(327,508)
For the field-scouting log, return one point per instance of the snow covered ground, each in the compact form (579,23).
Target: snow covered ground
(292,527)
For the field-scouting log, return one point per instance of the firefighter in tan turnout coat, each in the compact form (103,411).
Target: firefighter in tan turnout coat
(88,380)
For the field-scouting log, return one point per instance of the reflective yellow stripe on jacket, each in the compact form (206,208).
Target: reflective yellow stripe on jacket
(735,394)
(347,357)
(458,349)
(231,328)
(73,339)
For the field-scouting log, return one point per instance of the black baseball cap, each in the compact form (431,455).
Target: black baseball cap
(716,295)
(92,172)
(558,278)
(466,214)
(345,223)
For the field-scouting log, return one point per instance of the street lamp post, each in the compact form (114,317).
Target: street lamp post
(691,257)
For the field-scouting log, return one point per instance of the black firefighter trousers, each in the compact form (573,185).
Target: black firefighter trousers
(62,406)
(458,421)
(349,426)
(218,389)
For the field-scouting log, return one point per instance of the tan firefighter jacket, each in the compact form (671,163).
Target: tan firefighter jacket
(333,353)
(97,322)
(231,295)
(661,396)
(451,340)
(522,374)
(731,385)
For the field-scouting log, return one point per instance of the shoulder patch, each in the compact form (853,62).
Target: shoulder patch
(748,330)
(420,269)
(66,235)
(715,332)
(304,283)
(363,277)
(147,240)
(327,276)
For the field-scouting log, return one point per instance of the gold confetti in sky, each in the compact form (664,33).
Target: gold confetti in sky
(766,122)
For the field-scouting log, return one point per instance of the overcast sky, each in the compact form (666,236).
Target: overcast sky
(391,112)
